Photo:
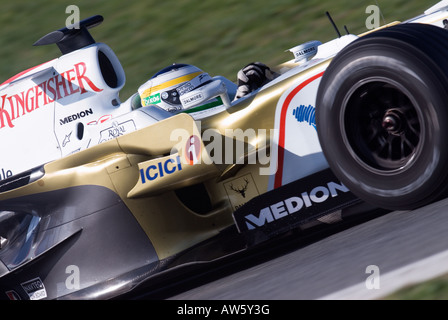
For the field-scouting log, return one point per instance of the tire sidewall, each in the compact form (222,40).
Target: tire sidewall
(423,175)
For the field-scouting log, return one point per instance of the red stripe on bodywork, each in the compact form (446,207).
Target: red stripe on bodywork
(281,139)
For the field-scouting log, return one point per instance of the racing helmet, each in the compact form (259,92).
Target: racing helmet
(166,87)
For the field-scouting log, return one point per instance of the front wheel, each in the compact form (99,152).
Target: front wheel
(382,116)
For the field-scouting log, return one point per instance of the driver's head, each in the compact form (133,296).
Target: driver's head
(165,88)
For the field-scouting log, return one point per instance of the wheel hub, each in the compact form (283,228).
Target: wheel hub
(382,126)
(393,122)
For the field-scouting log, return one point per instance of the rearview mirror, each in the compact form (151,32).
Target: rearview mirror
(205,93)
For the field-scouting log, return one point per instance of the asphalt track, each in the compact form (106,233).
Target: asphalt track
(401,248)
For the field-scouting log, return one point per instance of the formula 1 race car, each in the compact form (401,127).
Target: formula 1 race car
(99,197)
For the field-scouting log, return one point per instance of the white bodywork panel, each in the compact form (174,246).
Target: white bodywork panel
(62,107)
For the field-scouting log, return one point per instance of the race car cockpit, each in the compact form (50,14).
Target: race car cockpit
(186,88)
(182,87)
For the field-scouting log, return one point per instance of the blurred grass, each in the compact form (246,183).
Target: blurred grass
(219,37)
(435,289)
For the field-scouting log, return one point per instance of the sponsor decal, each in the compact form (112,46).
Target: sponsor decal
(12,295)
(105,118)
(187,101)
(300,53)
(76,116)
(241,190)
(58,87)
(185,88)
(116,130)
(192,84)
(295,203)
(35,289)
(102,119)
(193,150)
(160,169)
(66,139)
(306,114)
(154,99)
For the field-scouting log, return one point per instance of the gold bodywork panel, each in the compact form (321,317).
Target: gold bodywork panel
(116,164)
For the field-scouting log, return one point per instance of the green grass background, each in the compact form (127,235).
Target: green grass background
(218,36)
(435,289)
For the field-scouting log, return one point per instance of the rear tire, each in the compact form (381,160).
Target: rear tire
(382,116)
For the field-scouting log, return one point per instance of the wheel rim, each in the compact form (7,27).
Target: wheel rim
(382,126)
